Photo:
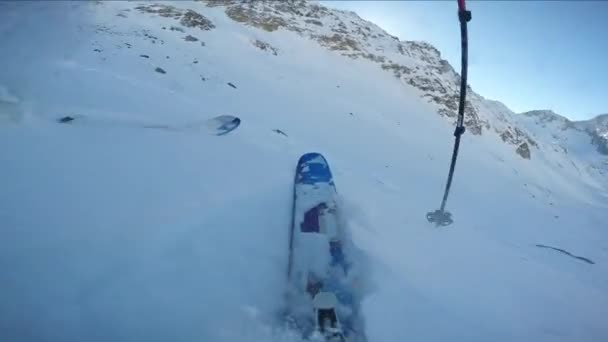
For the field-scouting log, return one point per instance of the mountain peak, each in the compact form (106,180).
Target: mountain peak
(545,115)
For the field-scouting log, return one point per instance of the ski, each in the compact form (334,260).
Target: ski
(320,295)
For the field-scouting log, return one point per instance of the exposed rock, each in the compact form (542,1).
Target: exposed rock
(314,22)
(374,58)
(188,18)
(162,10)
(524,151)
(265,47)
(398,70)
(265,21)
(194,19)
(506,136)
(338,42)
(217,3)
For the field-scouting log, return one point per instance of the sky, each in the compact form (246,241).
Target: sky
(527,54)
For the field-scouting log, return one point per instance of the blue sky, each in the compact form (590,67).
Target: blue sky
(526,54)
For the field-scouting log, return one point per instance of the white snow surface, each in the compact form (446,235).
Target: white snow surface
(111,231)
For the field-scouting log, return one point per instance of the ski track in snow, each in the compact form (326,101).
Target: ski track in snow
(111,232)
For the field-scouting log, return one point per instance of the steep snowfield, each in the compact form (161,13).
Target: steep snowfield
(115,230)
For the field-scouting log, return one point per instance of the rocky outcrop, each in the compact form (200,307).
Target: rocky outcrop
(523,150)
(265,47)
(187,18)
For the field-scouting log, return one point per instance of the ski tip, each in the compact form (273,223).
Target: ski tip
(313,168)
(310,156)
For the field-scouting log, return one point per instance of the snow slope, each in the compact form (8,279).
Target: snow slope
(578,148)
(112,229)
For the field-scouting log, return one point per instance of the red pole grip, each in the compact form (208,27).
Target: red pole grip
(461,6)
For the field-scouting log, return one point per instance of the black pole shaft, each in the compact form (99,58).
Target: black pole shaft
(464,67)
(448,185)
(464,17)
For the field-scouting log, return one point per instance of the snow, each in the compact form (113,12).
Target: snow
(112,231)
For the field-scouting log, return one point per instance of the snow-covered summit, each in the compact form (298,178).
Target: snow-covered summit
(546,115)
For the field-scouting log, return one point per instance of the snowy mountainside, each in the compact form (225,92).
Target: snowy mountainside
(582,143)
(115,230)
(417,64)
(598,129)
